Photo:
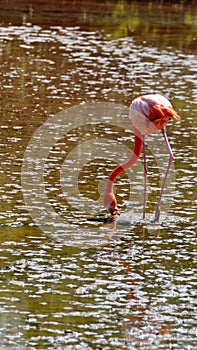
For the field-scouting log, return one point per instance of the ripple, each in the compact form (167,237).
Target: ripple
(116,285)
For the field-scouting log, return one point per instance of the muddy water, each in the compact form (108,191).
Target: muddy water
(68,280)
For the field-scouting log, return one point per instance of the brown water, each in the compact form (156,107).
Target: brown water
(68,73)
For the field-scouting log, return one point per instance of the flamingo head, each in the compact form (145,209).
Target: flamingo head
(110,203)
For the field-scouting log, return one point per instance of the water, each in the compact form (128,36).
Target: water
(70,280)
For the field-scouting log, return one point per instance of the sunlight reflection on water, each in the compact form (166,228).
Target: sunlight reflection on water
(82,282)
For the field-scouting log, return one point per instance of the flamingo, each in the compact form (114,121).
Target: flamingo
(148,114)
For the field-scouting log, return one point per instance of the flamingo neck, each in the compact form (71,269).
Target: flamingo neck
(129,163)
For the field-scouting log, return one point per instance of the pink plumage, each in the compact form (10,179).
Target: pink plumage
(148,114)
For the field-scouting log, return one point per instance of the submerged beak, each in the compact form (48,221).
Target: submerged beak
(115,211)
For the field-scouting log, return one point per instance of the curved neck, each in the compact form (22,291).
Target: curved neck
(129,163)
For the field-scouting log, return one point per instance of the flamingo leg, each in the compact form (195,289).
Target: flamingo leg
(171,157)
(145,177)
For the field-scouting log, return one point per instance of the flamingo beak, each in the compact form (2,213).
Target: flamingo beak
(114,211)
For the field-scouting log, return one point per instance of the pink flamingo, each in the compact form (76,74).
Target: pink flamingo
(148,114)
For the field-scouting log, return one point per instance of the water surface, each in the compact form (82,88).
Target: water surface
(68,280)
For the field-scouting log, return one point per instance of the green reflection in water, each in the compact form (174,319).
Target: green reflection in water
(134,286)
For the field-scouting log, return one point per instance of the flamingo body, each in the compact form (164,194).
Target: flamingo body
(148,114)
